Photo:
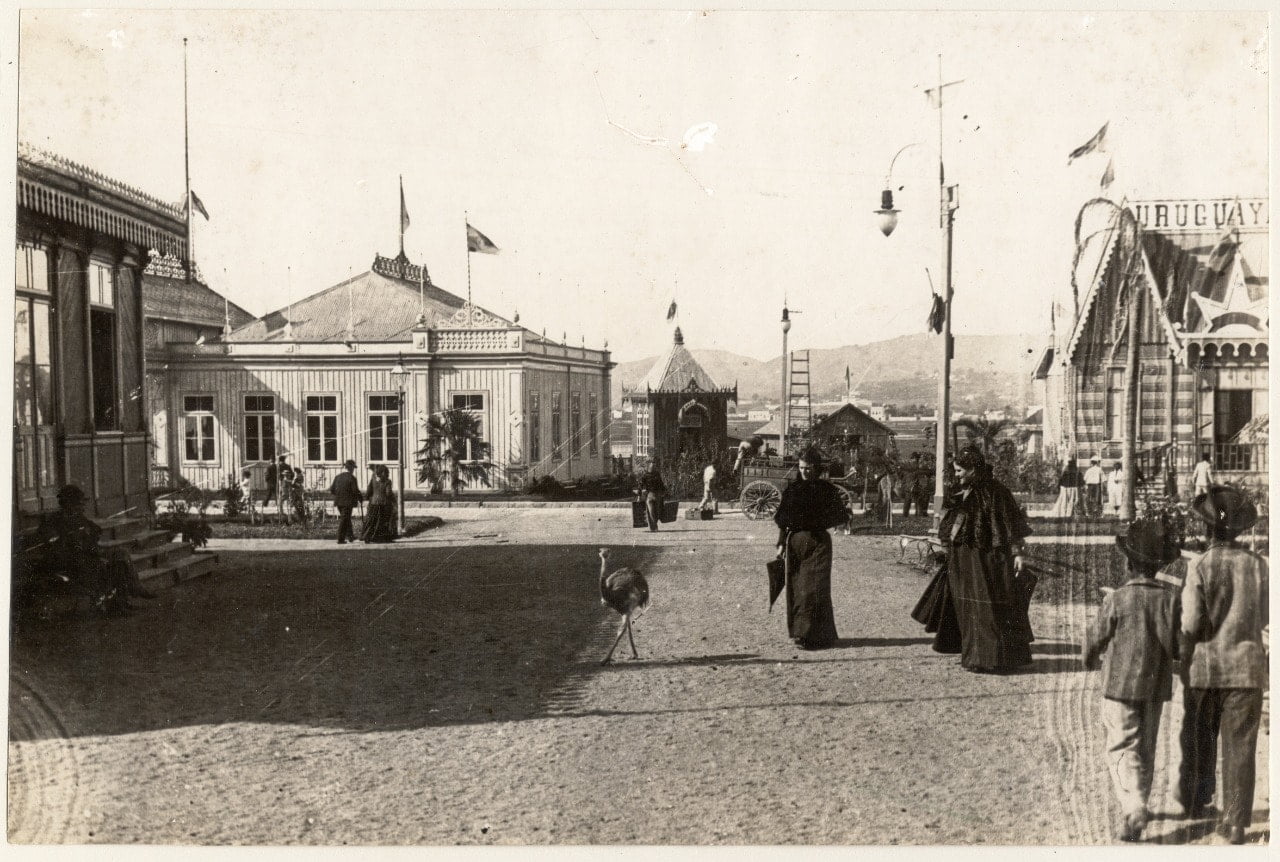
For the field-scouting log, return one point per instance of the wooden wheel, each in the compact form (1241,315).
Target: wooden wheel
(760,500)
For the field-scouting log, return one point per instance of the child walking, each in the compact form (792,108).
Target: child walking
(1137,628)
(1224,610)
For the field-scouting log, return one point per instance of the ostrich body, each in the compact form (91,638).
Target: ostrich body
(626,591)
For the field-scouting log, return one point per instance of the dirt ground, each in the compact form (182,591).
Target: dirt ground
(447,690)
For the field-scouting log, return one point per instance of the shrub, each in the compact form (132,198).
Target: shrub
(232,497)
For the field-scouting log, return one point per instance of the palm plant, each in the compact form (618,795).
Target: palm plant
(453,453)
(983,432)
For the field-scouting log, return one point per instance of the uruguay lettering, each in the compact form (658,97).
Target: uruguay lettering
(1247,214)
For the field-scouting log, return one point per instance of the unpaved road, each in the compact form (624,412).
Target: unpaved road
(446,690)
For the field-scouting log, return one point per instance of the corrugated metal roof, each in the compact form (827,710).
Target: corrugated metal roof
(372,306)
(175,299)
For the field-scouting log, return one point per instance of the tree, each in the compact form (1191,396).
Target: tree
(983,432)
(453,452)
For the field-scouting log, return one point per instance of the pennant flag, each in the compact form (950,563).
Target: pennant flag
(846,378)
(404,211)
(478,242)
(199,206)
(1094,143)
(671,312)
(937,314)
(1109,175)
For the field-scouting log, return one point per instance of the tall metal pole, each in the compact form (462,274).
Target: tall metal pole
(946,212)
(1131,400)
(400,467)
(785,413)
(186,162)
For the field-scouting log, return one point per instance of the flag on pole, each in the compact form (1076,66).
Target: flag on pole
(478,242)
(846,378)
(199,205)
(671,311)
(1097,142)
(404,211)
(1109,175)
(937,314)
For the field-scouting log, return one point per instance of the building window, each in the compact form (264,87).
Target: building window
(197,419)
(473,403)
(260,428)
(575,424)
(102,347)
(322,428)
(384,428)
(593,418)
(1114,405)
(535,427)
(555,426)
(33,268)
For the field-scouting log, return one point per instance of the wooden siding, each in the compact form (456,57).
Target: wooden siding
(73,334)
(429,390)
(570,461)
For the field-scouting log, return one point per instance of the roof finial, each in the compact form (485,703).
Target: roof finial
(679,336)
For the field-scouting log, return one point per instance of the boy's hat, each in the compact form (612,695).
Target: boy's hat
(1226,507)
(1147,544)
(349,464)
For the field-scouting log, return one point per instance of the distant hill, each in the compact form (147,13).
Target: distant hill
(988,372)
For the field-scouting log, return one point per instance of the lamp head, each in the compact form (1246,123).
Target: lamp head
(786,320)
(886,216)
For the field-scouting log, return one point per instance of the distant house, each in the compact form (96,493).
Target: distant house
(760,415)
(678,407)
(313,381)
(847,430)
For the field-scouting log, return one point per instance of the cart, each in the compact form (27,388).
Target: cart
(762,481)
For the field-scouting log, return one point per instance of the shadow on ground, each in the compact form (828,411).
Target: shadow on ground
(372,640)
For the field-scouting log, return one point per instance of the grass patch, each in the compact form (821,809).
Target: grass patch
(240,528)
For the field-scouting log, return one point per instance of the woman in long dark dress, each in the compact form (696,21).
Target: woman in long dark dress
(810,506)
(983,528)
(380,524)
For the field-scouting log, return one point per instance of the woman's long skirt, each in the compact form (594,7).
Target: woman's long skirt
(810,616)
(380,523)
(937,613)
(995,633)
(1065,505)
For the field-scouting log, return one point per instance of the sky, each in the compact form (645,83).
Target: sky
(559,134)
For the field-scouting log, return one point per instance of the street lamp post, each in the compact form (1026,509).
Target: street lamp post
(399,376)
(785,411)
(887,220)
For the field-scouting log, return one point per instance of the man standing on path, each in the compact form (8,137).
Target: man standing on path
(346,493)
(652,491)
(1093,479)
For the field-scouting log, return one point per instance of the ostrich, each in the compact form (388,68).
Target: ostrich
(625,590)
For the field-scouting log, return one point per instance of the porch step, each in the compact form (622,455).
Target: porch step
(120,528)
(138,541)
(158,555)
(180,569)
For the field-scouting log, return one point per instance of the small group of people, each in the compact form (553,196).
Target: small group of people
(285,483)
(66,546)
(1211,634)
(1093,493)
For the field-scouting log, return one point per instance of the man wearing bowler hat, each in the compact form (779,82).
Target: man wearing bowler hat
(1224,610)
(1137,628)
(346,493)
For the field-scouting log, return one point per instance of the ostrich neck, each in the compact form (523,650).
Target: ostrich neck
(604,564)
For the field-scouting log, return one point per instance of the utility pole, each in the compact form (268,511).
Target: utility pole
(1131,400)
(785,412)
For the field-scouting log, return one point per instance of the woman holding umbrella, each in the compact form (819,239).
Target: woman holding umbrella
(810,506)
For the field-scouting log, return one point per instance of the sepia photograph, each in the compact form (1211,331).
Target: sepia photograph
(777,428)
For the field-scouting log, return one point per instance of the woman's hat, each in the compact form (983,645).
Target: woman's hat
(1148,544)
(349,464)
(971,458)
(1224,506)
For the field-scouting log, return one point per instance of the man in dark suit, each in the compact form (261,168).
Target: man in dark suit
(346,493)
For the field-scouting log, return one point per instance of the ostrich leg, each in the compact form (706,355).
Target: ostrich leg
(622,628)
(634,654)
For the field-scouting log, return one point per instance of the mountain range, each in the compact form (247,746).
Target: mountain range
(988,372)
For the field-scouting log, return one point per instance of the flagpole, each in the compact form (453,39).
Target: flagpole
(402,210)
(466,221)
(186,162)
